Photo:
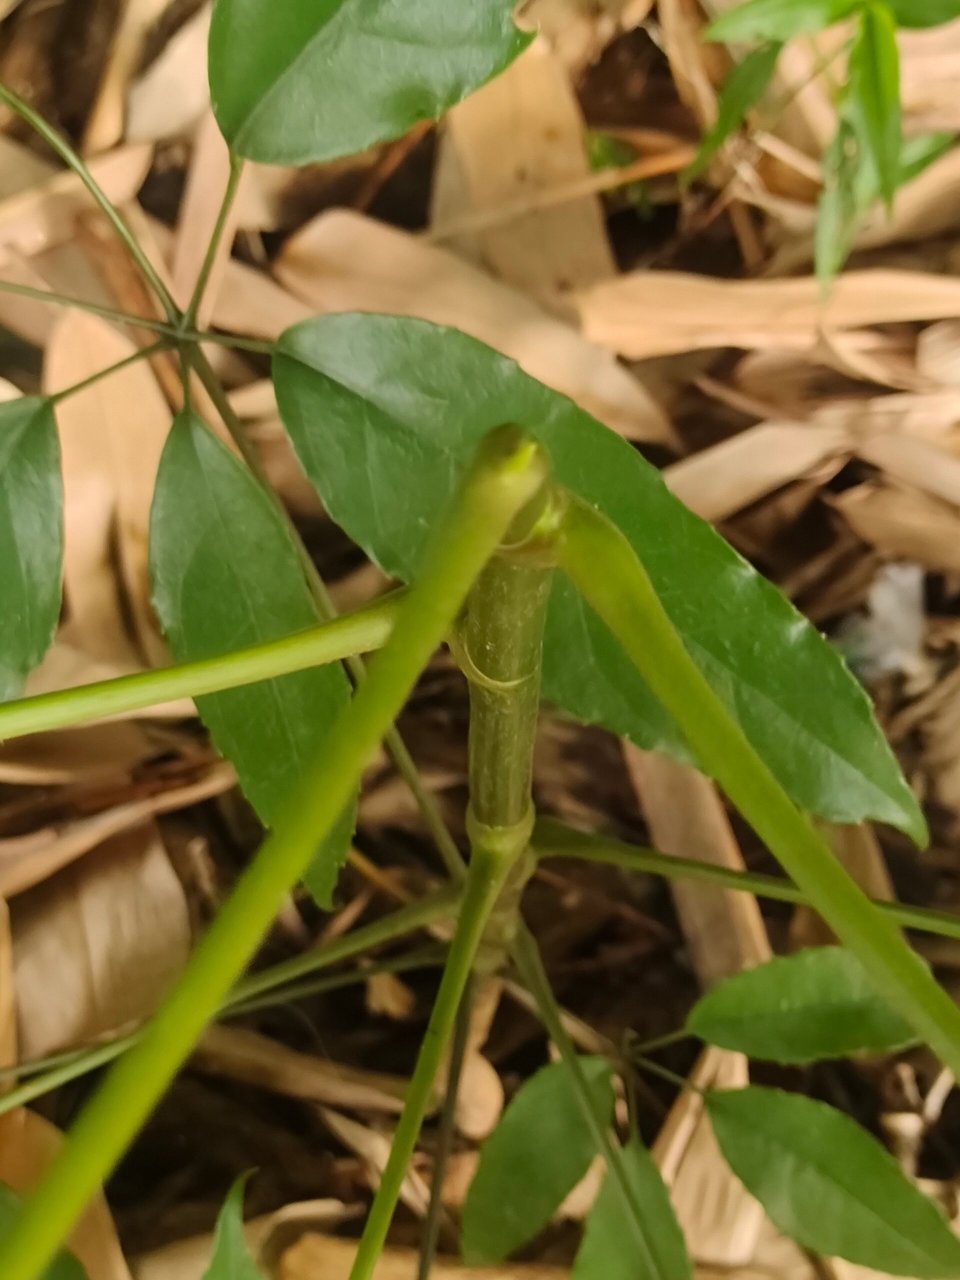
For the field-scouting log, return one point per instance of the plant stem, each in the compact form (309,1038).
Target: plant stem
(210,257)
(503,639)
(142,353)
(624,597)
(507,474)
(366,629)
(75,162)
(529,962)
(553,839)
(445,1136)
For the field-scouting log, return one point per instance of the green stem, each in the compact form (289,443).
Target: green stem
(555,840)
(503,638)
(445,1135)
(529,962)
(210,257)
(271,985)
(367,629)
(142,353)
(485,878)
(74,162)
(506,476)
(258,346)
(624,597)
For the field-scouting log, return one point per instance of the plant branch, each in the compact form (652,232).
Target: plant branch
(366,629)
(142,353)
(625,599)
(75,162)
(210,257)
(553,839)
(507,474)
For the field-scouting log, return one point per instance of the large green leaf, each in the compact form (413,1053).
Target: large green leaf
(609,1252)
(226,574)
(816,1004)
(299,80)
(384,413)
(536,1155)
(64,1266)
(827,1184)
(31,537)
(779,19)
(231,1257)
(874,87)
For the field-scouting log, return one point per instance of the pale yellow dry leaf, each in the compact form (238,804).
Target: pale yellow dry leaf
(98,945)
(386,996)
(647,313)
(131,26)
(8,1006)
(904,524)
(342,261)
(28,860)
(938,352)
(91,753)
(373,1148)
(725,478)
(521,133)
(28,1146)
(39,217)
(111,438)
(173,93)
(255,1059)
(915,462)
(579,30)
(929,60)
(253,304)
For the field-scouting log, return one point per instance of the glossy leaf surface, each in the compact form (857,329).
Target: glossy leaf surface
(815,1004)
(874,75)
(384,412)
(536,1155)
(226,574)
(829,1185)
(778,19)
(31,537)
(310,80)
(610,1250)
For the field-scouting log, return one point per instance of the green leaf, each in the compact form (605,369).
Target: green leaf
(779,19)
(742,89)
(923,13)
(324,78)
(874,88)
(842,202)
(816,1004)
(31,537)
(231,1258)
(537,1154)
(384,412)
(608,1251)
(226,574)
(64,1266)
(827,1184)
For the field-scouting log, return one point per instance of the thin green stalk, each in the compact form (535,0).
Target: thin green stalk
(553,839)
(624,597)
(529,962)
(485,878)
(142,353)
(210,257)
(257,346)
(507,474)
(395,745)
(445,1135)
(671,1077)
(358,632)
(75,162)
(269,986)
